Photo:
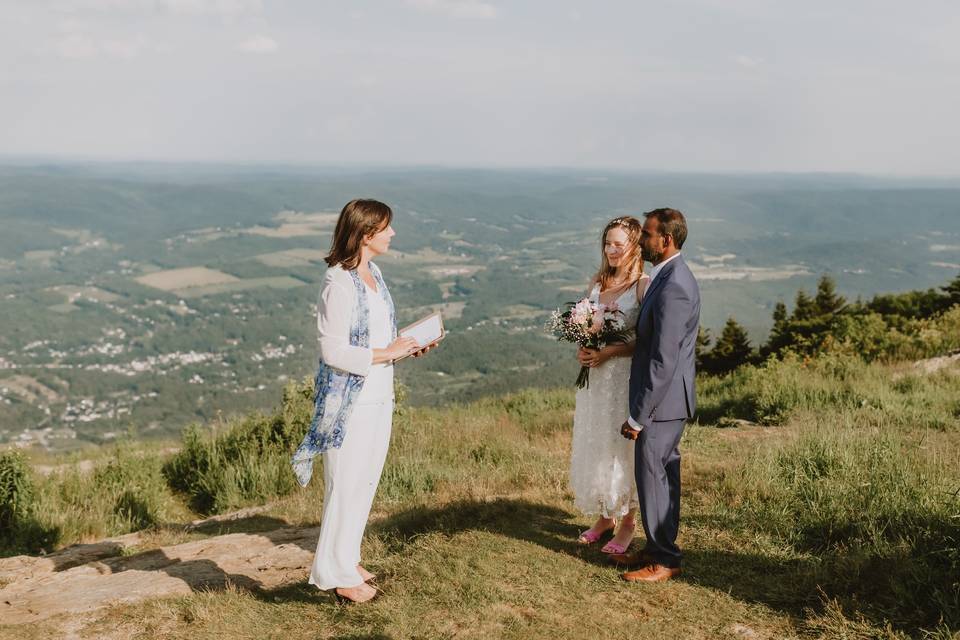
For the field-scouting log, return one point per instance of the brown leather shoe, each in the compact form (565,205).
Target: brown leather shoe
(651,573)
(632,559)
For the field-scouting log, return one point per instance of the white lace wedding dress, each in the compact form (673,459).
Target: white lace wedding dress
(601,463)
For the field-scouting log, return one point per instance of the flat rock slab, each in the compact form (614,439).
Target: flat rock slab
(37,588)
(24,567)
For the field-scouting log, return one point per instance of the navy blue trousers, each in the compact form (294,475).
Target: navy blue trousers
(658,483)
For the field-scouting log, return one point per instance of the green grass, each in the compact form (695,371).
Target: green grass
(873,517)
(842,521)
(124,493)
(897,395)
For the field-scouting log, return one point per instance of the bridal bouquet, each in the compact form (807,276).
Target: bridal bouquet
(590,325)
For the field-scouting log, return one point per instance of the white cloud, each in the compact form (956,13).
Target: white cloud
(259,44)
(76,46)
(747,61)
(129,48)
(79,45)
(468,9)
(189,7)
(365,81)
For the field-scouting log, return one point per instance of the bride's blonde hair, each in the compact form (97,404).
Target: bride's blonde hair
(632,261)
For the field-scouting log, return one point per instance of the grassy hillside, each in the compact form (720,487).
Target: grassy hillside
(840,518)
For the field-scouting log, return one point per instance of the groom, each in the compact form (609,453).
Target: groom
(662,394)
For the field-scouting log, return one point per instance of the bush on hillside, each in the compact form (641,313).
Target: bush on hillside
(131,489)
(890,327)
(770,393)
(16,490)
(19,528)
(125,493)
(246,461)
(891,339)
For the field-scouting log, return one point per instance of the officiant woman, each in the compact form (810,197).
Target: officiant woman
(354,394)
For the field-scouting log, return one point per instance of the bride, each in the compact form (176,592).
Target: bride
(601,464)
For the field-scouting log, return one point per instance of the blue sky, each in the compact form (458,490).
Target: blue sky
(742,85)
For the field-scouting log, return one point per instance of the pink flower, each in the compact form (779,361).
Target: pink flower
(597,323)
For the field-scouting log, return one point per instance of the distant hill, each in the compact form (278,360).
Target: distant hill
(148,296)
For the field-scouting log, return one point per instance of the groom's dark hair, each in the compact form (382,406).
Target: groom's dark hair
(670,222)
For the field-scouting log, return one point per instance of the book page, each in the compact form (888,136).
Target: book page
(425,331)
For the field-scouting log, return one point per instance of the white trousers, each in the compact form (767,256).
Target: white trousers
(350,475)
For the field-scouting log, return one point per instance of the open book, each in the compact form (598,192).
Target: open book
(425,331)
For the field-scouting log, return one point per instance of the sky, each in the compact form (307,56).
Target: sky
(866,86)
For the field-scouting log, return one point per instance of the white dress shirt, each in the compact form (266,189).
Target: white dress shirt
(657,268)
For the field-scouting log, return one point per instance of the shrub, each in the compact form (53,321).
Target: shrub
(125,493)
(248,461)
(16,490)
(770,393)
(19,529)
(131,489)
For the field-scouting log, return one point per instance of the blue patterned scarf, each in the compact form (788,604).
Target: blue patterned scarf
(336,390)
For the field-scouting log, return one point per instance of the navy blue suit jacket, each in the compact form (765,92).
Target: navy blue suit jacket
(663,370)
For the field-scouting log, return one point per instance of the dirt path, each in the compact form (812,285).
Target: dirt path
(86,577)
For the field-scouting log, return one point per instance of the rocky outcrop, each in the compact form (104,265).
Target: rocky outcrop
(86,577)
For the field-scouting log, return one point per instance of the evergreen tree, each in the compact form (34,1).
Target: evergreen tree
(804,307)
(827,302)
(702,344)
(779,315)
(731,350)
(953,291)
(778,333)
(910,304)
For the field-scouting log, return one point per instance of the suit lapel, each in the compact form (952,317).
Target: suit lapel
(659,280)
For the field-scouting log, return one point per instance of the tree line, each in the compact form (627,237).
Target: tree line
(875,329)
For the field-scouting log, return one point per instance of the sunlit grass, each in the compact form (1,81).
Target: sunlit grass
(840,521)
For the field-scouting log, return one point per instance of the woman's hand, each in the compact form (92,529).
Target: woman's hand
(583,355)
(422,350)
(402,347)
(592,357)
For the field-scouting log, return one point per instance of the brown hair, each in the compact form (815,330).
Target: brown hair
(670,222)
(359,219)
(631,258)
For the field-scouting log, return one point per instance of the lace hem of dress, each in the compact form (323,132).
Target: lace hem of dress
(601,507)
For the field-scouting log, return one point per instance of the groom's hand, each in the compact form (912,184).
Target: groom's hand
(629,432)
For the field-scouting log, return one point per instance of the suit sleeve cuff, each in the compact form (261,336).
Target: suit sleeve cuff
(633,423)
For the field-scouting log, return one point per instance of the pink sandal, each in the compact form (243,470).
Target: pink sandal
(615,547)
(612,547)
(590,536)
